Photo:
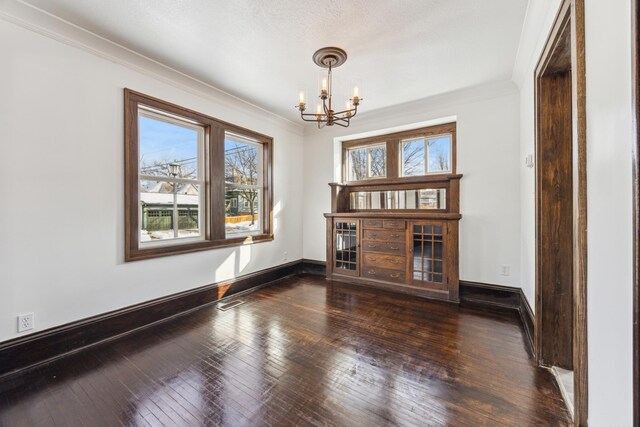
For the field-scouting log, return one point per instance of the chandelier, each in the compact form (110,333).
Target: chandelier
(325,115)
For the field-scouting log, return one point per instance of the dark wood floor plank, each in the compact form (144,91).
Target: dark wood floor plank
(302,352)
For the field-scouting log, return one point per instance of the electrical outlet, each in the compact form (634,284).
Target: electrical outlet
(285,256)
(25,322)
(504,270)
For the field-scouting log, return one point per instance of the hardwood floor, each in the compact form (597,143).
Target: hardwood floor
(301,352)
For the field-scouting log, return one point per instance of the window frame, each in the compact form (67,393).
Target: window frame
(426,148)
(394,155)
(199,180)
(246,204)
(212,218)
(367,148)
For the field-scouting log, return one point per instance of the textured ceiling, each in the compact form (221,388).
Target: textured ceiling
(260,50)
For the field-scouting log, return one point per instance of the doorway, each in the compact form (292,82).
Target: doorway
(560,320)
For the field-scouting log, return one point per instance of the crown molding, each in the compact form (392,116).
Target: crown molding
(418,107)
(538,20)
(53,27)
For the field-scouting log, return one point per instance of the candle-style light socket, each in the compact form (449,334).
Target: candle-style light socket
(355,100)
(302,106)
(323,94)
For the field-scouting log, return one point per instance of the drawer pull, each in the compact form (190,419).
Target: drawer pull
(394,275)
(395,248)
(392,223)
(395,235)
(372,272)
(371,245)
(392,261)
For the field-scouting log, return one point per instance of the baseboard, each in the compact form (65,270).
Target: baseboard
(49,344)
(486,294)
(312,266)
(526,316)
(502,297)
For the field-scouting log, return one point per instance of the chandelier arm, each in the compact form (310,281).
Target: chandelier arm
(314,119)
(341,124)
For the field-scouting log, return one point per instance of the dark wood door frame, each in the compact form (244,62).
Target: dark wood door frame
(635,43)
(571,17)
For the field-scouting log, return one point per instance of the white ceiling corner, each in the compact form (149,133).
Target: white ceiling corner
(260,50)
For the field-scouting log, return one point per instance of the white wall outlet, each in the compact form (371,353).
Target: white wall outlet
(25,322)
(504,270)
(285,256)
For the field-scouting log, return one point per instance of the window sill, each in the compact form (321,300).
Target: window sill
(185,248)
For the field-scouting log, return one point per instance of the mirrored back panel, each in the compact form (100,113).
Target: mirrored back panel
(420,198)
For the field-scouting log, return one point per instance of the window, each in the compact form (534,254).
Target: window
(243,181)
(422,156)
(171,176)
(367,162)
(191,182)
(410,154)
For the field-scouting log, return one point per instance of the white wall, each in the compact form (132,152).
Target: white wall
(537,32)
(61,182)
(609,208)
(609,287)
(488,156)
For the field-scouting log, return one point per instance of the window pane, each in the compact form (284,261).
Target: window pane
(440,154)
(188,210)
(378,161)
(412,157)
(243,209)
(241,160)
(357,159)
(159,202)
(163,144)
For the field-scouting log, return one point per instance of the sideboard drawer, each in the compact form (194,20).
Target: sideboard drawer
(385,235)
(372,223)
(391,262)
(395,224)
(393,248)
(384,274)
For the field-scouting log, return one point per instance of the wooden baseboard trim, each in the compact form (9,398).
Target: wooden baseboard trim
(44,346)
(503,297)
(526,317)
(312,266)
(47,345)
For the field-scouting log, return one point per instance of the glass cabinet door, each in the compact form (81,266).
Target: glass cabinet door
(428,253)
(346,246)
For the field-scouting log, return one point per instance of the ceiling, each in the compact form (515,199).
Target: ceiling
(260,50)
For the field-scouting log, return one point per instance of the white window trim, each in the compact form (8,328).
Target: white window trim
(154,114)
(367,149)
(259,186)
(426,153)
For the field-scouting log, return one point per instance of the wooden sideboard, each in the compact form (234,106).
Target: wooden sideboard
(406,250)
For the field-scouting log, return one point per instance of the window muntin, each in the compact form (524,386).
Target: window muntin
(367,162)
(243,185)
(171,176)
(426,155)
